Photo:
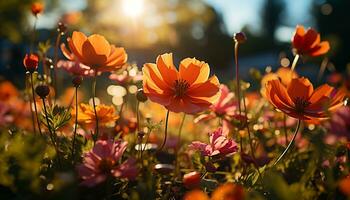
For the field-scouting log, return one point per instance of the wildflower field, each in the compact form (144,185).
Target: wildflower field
(90,123)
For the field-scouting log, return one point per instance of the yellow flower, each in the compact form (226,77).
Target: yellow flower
(86,116)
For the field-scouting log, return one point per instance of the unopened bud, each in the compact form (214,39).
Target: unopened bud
(240,37)
(42,91)
(31,62)
(140,96)
(77,81)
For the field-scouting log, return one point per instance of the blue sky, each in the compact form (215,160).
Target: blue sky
(236,14)
(239,13)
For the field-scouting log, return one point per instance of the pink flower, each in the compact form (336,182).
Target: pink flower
(219,145)
(224,108)
(75,68)
(339,124)
(102,162)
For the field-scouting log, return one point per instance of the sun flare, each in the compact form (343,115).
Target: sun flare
(133,8)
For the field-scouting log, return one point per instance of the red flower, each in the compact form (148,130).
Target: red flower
(309,42)
(31,62)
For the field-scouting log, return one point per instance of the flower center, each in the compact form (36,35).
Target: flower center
(106,165)
(301,104)
(181,87)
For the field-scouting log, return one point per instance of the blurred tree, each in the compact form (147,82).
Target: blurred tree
(271,12)
(189,28)
(332,18)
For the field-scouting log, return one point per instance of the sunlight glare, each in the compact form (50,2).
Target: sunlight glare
(133,8)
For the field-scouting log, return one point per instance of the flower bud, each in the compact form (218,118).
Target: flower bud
(77,81)
(61,28)
(37,8)
(191,180)
(42,91)
(140,134)
(30,62)
(240,37)
(140,96)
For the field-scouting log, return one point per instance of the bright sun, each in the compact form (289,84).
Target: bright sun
(133,8)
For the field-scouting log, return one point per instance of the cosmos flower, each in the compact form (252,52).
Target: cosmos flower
(103,162)
(225,107)
(309,42)
(228,191)
(188,90)
(284,74)
(75,68)
(299,99)
(86,116)
(219,145)
(339,124)
(95,52)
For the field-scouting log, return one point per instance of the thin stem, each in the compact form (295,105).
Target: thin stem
(93,101)
(51,134)
(294,64)
(249,136)
(138,115)
(285,128)
(30,104)
(179,143)
(290,143)
(33,35)
(238,88)
(75,123)
(165,130)
(58,39)
(34,101)
(322,69)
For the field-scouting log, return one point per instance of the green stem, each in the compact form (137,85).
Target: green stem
(294,64)
(249,137)
(290,143)
(58,39)
(94,103)
(33,35)
(52,135)
(30,105)
(34,101)
(238,88)
(285,127)
(322,69)
(165,130)
(178,144)
(75,123)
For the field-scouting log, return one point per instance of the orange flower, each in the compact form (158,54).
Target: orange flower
(8,91)
(196,195)
(300,100)
(86,116)
(37,8)
(94,51)
(309,42)
(188,90)
(228,191)
(344,186)
(284,74)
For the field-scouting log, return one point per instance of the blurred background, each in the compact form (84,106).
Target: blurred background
(188,28)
